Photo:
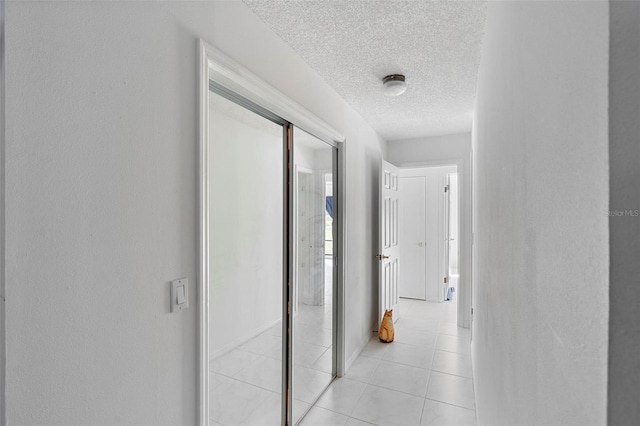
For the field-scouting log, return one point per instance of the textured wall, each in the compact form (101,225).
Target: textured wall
(541,166)
(101,165)
(446,149)
(624,222)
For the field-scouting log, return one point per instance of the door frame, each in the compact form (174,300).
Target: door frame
(465,231)
(215,66)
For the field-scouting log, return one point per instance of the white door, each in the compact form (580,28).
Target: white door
(447,236)
(453,225)
(412,235)
(389,254)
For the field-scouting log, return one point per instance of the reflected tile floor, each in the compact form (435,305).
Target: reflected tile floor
(246,381)
(423,378)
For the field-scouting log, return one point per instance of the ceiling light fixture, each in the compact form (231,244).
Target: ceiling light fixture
(394,85)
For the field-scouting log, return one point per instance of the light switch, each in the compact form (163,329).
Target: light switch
(180,291)
(179,294)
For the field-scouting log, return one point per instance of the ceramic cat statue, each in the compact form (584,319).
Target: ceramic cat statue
(387,332)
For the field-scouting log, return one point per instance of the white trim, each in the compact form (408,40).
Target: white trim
(203,232)
(240,80)
(340,247)
(3,179)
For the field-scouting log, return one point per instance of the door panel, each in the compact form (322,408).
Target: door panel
(446,238)
(412,235)
(434,234)
(246,210)
(453,224)
(313,328)
(389,250)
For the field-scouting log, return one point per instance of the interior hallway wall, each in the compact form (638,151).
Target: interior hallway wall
(540,323)
(446,149)
(624,219)
(101,171)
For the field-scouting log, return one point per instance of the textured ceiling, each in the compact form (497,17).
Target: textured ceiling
(353,44)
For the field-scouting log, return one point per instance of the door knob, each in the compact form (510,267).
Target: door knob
(420,244)
(381,256)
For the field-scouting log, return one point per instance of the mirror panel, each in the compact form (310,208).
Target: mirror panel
(313,269)
(245,265)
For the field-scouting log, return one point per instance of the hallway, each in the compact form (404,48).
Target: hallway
(423,378)
(105,191)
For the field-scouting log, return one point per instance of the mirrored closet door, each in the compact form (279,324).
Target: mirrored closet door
(272,264)
(246,252)
(313,268)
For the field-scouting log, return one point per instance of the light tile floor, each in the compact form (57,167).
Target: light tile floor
(423,378)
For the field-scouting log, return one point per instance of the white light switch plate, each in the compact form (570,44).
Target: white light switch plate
(179,294)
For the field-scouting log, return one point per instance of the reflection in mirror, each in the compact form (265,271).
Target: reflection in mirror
(245,265)
(313,270)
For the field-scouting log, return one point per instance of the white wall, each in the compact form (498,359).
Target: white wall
(624,238)
(245,224)
(438,150)
(101,172)
(540,300)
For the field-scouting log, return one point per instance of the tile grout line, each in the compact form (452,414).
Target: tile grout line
(452,405)
(248,383)
(424,401)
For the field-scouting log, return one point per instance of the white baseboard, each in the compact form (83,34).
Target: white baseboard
(355,355)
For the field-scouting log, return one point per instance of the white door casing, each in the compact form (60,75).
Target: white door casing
(389,254)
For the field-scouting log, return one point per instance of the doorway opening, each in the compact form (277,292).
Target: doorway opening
(429,233)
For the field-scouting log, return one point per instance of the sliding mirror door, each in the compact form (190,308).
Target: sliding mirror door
(270,246)
(246,228)
(313,268)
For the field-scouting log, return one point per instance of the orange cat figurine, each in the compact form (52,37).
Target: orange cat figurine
(387,333)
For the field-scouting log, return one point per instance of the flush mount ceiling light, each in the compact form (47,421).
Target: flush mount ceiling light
(394,85)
